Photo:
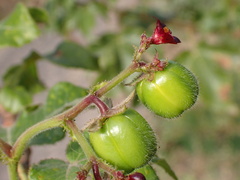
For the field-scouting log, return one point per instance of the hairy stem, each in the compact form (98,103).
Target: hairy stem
(103,108)
(12,170)
(117,79)
(80,138)
(22,142)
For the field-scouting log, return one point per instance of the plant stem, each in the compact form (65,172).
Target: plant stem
(21,143)
(95,169)
(117,79)
(12,170)
(86,147)
(103,108)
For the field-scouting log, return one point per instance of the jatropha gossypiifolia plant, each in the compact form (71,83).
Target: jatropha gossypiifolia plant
(120,143)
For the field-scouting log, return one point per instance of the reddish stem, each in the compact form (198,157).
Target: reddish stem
(95,169)
(103,108)
(72,113)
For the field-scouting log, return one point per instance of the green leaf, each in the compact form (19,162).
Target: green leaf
(72,55)
(18,28)
(62,93)
(109,63)
(24,121)
(15,99)
(163,163)
(75,153)
(72,172)
(53,169)
(24,75)
(101,8)
(58,100)
(85,24)
(39,15)
(48,137)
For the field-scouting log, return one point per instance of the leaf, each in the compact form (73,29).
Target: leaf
(39,15)
(85,24)
(72,172)
(109,64)
(75,153)
(24,121)
(15,99)
(101,8)
(25,75)
(58,98)
(18,28)
(53,169)
(72,55)
(163,163)
(62,93)
(58,169)
(48,137)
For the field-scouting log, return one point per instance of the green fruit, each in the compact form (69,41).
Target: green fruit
(126,141)
(170,92)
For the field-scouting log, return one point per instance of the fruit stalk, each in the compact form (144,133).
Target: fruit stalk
(96,172)
(79,137)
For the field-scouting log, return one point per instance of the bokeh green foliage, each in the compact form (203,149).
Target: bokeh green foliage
(209,31)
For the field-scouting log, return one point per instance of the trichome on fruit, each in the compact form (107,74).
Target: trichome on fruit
(126,141)
(169,92)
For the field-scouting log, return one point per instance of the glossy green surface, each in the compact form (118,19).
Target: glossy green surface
(170,92)
(125,141)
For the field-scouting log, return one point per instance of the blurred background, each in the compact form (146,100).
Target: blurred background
(204,143)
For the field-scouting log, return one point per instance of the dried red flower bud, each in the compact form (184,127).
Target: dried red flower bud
(162,34)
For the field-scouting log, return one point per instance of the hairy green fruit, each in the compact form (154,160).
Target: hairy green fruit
(126,141)
(169,92)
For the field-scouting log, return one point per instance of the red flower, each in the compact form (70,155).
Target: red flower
(162,35)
